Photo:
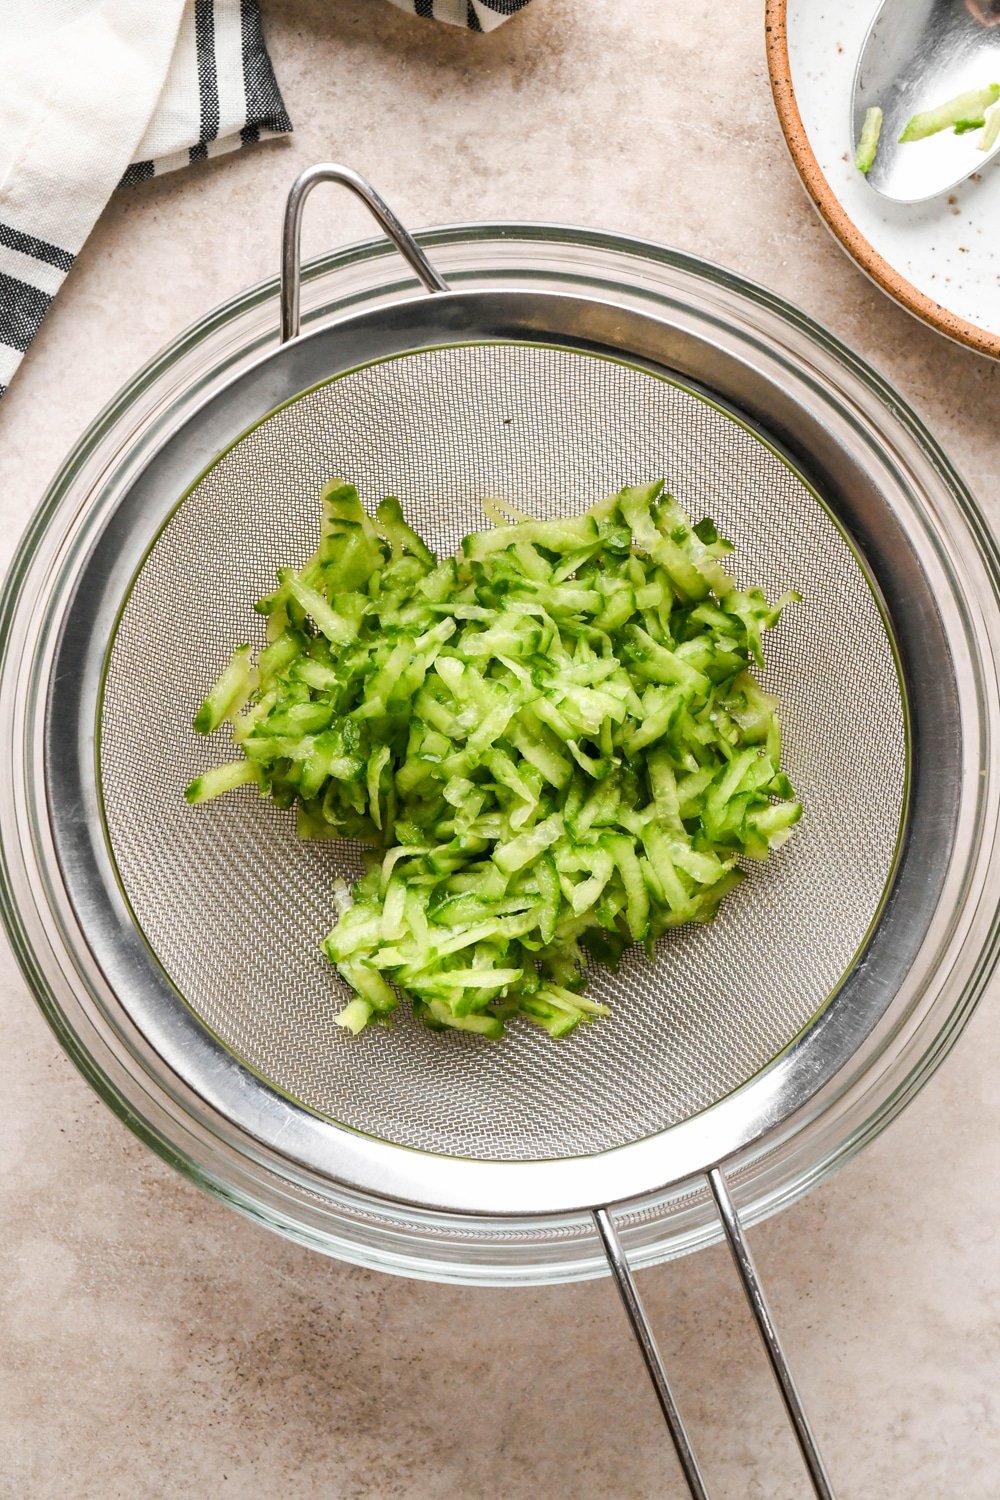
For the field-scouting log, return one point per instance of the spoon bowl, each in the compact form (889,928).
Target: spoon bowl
(919,54)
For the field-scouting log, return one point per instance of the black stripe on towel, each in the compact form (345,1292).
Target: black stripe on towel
(22,308)
(139,171)
(265,106)
(471,19)
(208,77)
(27,244)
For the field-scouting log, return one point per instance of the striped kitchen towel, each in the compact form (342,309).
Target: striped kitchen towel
(111,91)
(100,93)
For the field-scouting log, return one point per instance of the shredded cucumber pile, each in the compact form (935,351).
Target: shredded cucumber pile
(552,741)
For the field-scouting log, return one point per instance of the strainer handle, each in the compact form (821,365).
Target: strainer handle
(653,1360)
(765,1326)
(291,237)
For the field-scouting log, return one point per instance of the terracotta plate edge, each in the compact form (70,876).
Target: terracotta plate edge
(832,211)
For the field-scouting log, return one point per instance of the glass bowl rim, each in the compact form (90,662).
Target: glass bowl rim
(373,252)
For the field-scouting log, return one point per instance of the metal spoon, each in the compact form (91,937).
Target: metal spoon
(918,54)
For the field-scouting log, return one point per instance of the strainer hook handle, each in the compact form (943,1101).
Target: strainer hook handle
(291,236)
(652,1358)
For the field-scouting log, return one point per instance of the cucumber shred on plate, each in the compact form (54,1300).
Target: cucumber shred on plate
(965,112)
(975,109)
(871,130)
(552,742)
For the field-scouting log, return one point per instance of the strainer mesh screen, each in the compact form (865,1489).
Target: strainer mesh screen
(234,906)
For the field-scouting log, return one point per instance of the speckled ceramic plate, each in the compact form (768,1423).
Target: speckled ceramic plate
(940,259)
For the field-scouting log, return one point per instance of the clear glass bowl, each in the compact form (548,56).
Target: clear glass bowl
(748,325)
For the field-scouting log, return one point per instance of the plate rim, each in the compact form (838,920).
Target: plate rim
(832,211)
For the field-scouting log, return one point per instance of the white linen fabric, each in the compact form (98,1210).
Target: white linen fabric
(100,94)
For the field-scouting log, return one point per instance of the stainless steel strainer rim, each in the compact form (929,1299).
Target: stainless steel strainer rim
(355,1156)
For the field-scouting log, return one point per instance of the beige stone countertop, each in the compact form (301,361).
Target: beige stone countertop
(152,1343)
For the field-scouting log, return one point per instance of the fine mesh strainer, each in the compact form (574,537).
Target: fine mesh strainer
(212,936)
